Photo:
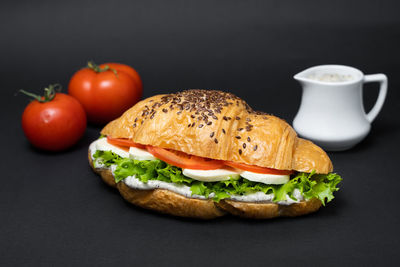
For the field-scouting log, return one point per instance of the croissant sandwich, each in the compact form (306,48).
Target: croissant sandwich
(205,154)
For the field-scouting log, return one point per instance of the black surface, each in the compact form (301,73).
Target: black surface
(55,211)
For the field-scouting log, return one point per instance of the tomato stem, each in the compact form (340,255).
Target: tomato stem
(93,66)
(49,93)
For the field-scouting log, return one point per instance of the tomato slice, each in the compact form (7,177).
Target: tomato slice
(124,148)
(257,169)
(183,160)
(123,142)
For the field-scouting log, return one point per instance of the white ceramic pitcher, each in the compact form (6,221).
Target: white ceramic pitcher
(331,112)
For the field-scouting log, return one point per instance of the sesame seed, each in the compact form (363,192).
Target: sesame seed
(201,125)
(223,130)
(238,137)
(134,125)
(216,140)
(248,139)
(212,134)
(255,147)
(240,152)
(244,145)
(208,103)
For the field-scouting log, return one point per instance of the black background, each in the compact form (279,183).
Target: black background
(55,211)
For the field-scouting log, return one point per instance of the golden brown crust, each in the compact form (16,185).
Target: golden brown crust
(169,202)
(218,125)
(269,210)
(307,157)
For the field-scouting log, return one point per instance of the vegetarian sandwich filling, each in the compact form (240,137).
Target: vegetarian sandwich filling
(300,186)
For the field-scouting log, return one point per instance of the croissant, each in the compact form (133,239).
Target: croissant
(220,126)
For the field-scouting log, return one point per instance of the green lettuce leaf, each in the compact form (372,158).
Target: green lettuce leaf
(311,185)
(107,158)
(144,170)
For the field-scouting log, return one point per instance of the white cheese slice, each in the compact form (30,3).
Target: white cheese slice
(265,178)
(140,154)
(211,175)
(103,145)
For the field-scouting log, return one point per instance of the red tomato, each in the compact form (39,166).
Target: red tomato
(257,169)
(55,123)
(124,142)
(184,160)
(127,69)
(106,91)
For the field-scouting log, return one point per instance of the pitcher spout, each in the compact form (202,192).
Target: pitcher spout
(302,77)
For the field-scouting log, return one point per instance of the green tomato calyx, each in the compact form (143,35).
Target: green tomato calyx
(93,66)
(49,93)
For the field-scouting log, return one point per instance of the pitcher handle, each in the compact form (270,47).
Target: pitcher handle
(382,79)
